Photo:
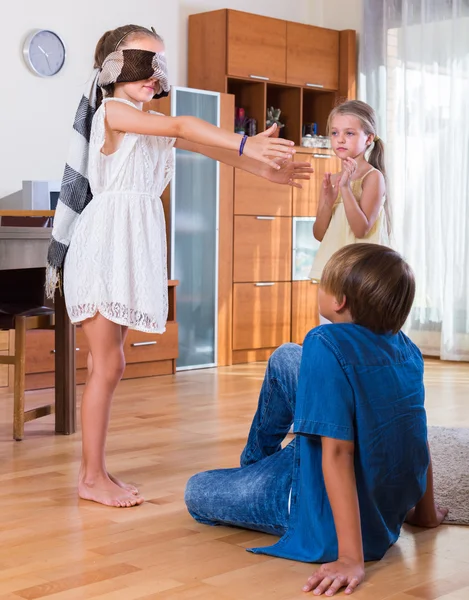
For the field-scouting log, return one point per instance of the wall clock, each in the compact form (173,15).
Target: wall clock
(44,52)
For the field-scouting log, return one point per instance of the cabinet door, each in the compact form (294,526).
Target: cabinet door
(261,315)
(256,47)
(305,312)
(312,56)
(262,249)
(256,196)
(306,200)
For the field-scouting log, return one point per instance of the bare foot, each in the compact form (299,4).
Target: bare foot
(104,491)
(125,486)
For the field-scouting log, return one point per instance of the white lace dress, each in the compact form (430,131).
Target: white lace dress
(116,262)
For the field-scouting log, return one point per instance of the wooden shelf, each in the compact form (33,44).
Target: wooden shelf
(288,99)
(250,95)
(317,106)
(299,105)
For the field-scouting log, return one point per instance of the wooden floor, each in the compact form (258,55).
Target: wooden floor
(163,430)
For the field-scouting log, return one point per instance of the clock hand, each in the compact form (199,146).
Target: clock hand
(43,51)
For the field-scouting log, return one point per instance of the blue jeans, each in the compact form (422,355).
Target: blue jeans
(255,496)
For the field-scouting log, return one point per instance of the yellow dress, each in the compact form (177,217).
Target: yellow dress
(340,234)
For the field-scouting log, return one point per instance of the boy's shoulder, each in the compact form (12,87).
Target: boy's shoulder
(355,345)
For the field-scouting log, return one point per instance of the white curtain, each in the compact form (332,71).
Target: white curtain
(414,70)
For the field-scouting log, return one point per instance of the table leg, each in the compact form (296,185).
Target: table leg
(65,376)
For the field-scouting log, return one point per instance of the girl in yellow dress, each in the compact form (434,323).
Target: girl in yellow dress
(352,204)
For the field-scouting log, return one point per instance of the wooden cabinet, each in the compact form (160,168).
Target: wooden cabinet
(256,196)
(261,315)
(306,200)
(256,46)
(312,56)
(305,71)
(262,249)
(305,313)
(263,62)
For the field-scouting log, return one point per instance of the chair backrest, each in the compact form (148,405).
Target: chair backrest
(20,221)
(23,286)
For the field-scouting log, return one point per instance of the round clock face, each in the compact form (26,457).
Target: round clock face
(44,52)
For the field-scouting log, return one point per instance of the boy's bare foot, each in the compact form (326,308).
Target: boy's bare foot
(125,486)
(104,491)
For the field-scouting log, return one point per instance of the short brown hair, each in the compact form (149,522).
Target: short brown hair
(378,284)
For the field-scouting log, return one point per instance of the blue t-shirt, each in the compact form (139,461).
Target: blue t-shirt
(358,386)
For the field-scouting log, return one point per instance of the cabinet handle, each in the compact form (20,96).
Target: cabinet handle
(259,77)
(266,218)
(314,85)
(54,351)
(264,284)
(322,156)
(136,344)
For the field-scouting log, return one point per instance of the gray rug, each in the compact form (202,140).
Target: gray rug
(450,456)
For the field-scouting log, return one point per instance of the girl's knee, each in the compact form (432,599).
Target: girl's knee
(111,366)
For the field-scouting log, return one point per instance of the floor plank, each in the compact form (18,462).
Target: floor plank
(163,430)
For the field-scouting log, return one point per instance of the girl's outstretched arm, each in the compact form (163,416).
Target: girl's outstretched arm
(288,174)
(124,118)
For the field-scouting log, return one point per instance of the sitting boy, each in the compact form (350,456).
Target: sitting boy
(359,463)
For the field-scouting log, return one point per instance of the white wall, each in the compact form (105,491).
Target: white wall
(342,14)
(36,114)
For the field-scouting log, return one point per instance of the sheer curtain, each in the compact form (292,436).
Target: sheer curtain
(414,70)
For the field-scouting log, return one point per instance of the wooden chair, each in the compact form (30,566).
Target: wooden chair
(22,317)
(22,307)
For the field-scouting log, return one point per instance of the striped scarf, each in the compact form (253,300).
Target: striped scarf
(120,66)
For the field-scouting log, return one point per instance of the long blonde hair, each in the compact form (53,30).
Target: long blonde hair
(367,117)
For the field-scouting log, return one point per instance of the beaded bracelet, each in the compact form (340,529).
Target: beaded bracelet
(243,143)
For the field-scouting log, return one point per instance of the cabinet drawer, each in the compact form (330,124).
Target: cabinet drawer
(147,347)
(305,312)
(40,350)
(256,196)
(312,56)
(138,347)
(262,249)
(261,315)
(256,46)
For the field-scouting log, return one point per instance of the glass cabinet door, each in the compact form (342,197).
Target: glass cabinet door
(194,237)
(305,247)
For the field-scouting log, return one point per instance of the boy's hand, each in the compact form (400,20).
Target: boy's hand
(420,518)
(332,577)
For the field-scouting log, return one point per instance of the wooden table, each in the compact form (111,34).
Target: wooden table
(26,248)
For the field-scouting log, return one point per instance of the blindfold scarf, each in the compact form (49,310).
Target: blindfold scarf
(126,65)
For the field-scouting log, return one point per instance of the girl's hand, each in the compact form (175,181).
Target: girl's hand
(349,166)
(418,518)
(264,148)
(289,171)
(332,577)
(330,191)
